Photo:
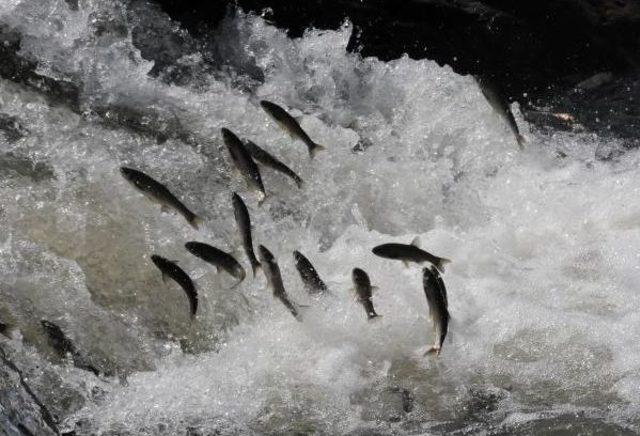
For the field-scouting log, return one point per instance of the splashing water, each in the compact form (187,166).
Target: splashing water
(542,287)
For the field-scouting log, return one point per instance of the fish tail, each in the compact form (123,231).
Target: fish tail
(255,267)
(373,317)
(300,311)
(315,148)
(433,350)
(196,221)
(298,181)
(441,263)
(235,285)
(263,198)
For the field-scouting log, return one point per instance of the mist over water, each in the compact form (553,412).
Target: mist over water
(543,284)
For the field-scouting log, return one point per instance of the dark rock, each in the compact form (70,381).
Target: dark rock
(537,50)
(18,69)
(12,127)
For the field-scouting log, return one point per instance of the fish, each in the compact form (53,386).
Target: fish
(364,291)
(312,281)
(291,126)
(63,347)
(170,269)
(274,278)
(501,105)
(243,221)
(409,253)
(268,160)
(218,258)
(244,162)
(438,306)
(159,193)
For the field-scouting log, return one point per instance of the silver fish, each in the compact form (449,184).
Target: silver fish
(290,125)
(157,192)
(170,269)
(364,291)
(501,106)
(244,162)
(64,347)
(409,253)
(274,278)
(312,281)
(243,221)
(217,258)
(268,160)
(438,307)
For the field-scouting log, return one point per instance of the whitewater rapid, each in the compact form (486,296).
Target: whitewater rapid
(543,284)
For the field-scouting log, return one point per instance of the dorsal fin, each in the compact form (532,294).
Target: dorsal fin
(416,242)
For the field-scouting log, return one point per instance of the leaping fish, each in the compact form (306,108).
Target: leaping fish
(274,278)
(169,268)
(159,193)
(217,258)
(244,162)
(409,253)
(438,306)
(268,160)
(364,291)
(310,277)
(243,221)
(291,126)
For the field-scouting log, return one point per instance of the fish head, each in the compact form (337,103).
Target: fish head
(238,272)
(159,261)
(360,277)
(267,105)
(297,256)
(378,251)
(228,136)
(236,200)
(265,255)
(192,247)
(128,173)
(49,326)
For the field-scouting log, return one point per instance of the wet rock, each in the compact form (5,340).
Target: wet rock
(13,165)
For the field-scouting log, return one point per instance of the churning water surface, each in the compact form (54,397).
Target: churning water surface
(543,284)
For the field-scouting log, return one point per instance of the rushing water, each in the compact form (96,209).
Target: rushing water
(543,287)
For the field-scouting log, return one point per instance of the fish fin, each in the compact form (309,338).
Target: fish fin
(405,263)
(441,263)
(315,149)
(216,269)
(164,208)
(301,310)
(374,289)
(235,285)
(354,293)
(521,140)
(416,241)
(164,278)
(196,221)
